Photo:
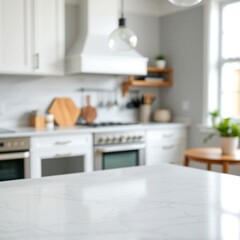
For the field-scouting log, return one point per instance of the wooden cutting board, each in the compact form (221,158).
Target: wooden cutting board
(89,113)
(65,111)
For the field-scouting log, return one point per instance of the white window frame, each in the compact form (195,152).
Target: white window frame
(212,56)
(211,51)
(223,61)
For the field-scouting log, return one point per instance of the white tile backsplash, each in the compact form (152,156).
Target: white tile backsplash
(20,95)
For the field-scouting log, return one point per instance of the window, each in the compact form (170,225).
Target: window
(229,64)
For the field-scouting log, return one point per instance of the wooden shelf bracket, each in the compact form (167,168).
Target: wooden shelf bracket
(132,81)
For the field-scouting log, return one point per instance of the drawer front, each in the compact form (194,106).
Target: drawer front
(165,152)
(166,145)
(60,141)
(165,135)
(170,157)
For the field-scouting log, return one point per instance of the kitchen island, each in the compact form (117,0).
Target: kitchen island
(147,203)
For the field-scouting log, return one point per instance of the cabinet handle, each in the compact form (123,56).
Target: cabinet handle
(63,155)
(168,147)
(37,61)
(168,135)
(62,142)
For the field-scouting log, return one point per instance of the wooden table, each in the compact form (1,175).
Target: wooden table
(211,156)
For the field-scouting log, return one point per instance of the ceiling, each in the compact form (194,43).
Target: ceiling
(146,7)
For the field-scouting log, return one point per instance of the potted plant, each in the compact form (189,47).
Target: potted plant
(160,61)
(214,117)
(229,135)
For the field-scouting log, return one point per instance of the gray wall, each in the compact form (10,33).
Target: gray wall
(182,43)
(147,29)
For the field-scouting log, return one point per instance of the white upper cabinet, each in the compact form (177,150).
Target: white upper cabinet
(32,37)
(49,37)
(15,36)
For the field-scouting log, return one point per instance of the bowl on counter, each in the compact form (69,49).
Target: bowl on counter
(162,115)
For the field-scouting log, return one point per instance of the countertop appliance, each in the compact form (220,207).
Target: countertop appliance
(119,149)
(14,158)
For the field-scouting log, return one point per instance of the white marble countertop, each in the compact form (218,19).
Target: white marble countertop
(28,131)
(140,203)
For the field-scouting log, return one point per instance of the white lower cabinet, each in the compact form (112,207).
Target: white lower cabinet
(165,146)
(61,154)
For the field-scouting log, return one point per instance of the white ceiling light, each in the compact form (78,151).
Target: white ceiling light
(185,3)
(123,38)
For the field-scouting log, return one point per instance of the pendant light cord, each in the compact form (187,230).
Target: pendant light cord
(122,20)
(122,8)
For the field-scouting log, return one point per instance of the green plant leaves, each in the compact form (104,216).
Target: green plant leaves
(215,113)
(160,57)
(226,128)
(209,136)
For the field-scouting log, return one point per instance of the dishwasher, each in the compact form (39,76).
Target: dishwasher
(62,154)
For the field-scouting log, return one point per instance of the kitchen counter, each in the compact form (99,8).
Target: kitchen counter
(28,131)
(160,202)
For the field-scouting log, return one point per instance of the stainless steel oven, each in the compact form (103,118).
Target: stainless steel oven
(119,149)
(14,158)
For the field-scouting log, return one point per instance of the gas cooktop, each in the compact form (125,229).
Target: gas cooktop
(107,124)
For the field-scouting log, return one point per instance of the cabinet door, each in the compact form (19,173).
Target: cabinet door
(167,152)
(15,36)
(49,37)
(165,146)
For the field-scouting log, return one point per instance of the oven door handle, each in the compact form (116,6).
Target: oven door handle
(12,156)
(120,148)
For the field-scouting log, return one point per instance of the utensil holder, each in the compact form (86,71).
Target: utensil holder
(145,113)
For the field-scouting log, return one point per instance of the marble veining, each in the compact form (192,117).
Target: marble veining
(140,203)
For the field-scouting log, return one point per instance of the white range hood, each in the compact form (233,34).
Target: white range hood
(90,52)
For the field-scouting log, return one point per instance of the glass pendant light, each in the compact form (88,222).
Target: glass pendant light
(185,3)
(123,38)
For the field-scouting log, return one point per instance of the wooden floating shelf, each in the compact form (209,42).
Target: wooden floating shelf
(159,70)
(146,83)
(150,83)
